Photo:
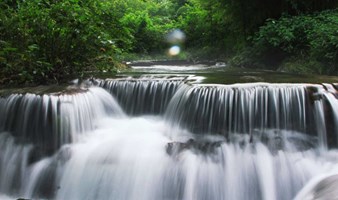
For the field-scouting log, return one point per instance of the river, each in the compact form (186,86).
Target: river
(171,132)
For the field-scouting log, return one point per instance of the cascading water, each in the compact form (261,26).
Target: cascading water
(53,120)
(239,108)
(142,96)
(180,141)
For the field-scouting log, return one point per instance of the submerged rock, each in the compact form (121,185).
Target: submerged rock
(252,79)
(325,189)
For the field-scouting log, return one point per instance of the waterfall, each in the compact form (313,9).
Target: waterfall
(142,96)
(240,108)
(50,121)
(180,141)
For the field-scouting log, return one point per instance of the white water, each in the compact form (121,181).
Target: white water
(177,69)
(127,159)
(239,108)
(122,157)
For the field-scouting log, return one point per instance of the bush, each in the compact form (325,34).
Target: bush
(52,40)
(301,37)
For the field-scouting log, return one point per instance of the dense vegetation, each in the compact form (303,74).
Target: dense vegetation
(51,40)
(45,41)
(307,43)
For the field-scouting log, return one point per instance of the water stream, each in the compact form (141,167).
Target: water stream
(168,138)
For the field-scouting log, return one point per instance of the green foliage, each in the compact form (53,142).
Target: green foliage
(225,24)
(49,40)
(206,24)
(148,23)
(44,40)
(311,37)
(52,40)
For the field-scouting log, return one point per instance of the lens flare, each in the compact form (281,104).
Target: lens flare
(174,50)
(175,36)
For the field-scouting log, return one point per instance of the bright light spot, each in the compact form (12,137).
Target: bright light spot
(174,50)
(175,36)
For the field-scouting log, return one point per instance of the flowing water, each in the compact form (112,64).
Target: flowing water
(168,138)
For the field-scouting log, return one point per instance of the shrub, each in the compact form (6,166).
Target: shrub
(300,37)
(52,40)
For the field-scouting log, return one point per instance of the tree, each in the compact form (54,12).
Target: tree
(47,40)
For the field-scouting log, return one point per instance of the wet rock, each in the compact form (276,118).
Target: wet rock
(314,94)
(64,154)
(174,148)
